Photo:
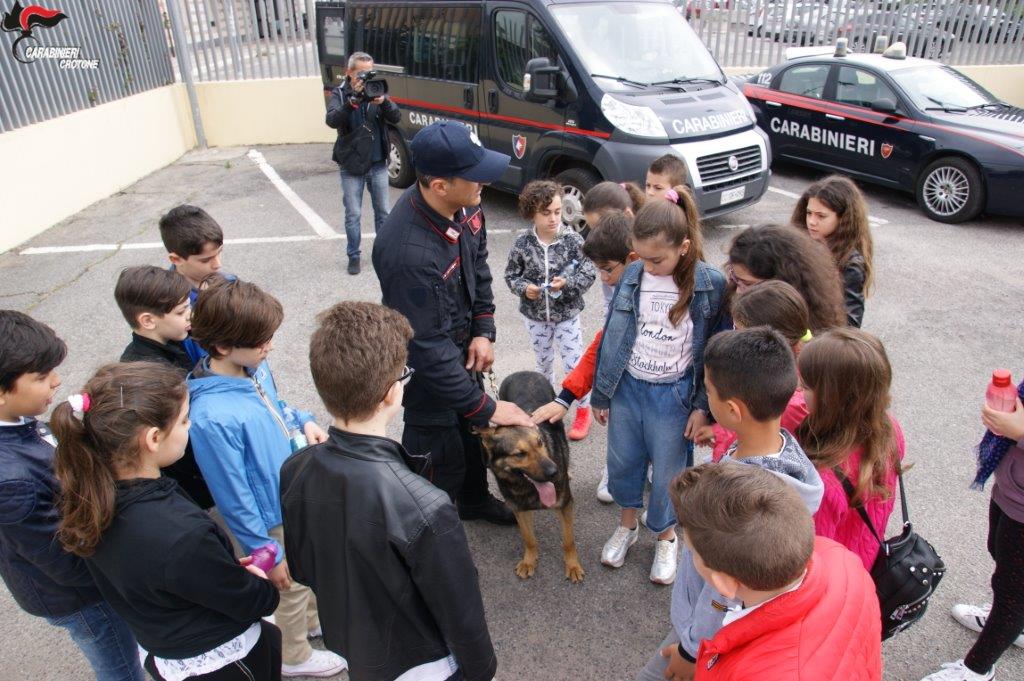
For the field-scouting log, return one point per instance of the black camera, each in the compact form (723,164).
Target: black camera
(373,86)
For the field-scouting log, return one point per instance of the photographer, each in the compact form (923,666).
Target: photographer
(362,147)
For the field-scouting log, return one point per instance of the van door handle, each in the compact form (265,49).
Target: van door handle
(834,117)
(492,100)
(771,103)
(467,97)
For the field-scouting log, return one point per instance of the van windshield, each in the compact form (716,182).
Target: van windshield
(636,41)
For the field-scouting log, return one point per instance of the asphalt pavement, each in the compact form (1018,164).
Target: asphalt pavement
(943,306)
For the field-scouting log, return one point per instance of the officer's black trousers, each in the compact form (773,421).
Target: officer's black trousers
(456,459)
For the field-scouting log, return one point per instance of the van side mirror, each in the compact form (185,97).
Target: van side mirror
(540,82)
(884,105)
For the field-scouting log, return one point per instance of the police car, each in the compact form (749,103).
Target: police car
(897,121)
(577,91)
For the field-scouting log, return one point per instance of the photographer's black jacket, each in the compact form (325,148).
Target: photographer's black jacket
(353,150)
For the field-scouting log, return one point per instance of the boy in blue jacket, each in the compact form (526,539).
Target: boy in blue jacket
(240,436)
(45,580)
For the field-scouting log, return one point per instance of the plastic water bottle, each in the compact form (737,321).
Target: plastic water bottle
(291,421)
(264,557)
(566,273)
(1001,395)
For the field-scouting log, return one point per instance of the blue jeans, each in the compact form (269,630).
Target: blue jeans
(352,197)
(645,425)
(105,640)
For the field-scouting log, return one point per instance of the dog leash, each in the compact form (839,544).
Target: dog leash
(493,382)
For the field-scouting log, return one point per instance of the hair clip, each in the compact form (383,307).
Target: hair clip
(672,195)
(80,403)
(121,388)
(807,336)
(622,184)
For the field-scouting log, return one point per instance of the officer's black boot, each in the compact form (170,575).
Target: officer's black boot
(492,510)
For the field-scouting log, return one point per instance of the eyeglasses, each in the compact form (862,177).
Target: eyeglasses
(740,283)
(406,376)
(610,270)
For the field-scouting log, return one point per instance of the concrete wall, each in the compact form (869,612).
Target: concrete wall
(51,170)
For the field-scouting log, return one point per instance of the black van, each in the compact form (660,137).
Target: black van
(575,90)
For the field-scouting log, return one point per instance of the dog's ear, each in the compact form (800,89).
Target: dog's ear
(486,434)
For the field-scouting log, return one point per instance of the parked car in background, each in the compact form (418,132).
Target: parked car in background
(915,25)
(801,23)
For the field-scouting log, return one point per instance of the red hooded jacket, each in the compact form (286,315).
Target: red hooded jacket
(828,628)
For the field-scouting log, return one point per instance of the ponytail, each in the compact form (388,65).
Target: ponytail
(637,197)
(101,440)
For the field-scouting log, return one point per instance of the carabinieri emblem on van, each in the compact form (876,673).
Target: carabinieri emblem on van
(519,145)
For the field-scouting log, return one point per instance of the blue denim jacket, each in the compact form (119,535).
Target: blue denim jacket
(620,330)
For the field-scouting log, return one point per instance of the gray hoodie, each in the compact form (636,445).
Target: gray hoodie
(697,609)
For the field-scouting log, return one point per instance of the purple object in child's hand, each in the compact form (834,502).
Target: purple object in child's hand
(264,557)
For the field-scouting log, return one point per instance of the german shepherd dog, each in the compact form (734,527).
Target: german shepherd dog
(531,466)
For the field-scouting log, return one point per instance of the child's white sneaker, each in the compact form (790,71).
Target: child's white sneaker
(615,549)
(603,495)
(974,617)
(666,558)
(321,664)
(958,671)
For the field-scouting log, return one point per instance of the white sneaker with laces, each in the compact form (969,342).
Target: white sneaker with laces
(666,557)
(974,617)
(957,671)
(615,549)
(603,495)
(321,664)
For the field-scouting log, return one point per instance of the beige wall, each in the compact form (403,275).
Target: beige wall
(58,167)
(269,111)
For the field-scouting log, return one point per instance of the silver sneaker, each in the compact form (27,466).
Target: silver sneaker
(603,495)
(958,671)
(666,557)
(615,549)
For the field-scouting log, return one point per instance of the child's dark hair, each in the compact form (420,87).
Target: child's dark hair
(356,355)
(853,232)
(784,253)
(773,303)
(536,196)
(234,314)
(672,167)
(608,240)
(149,289)
(745,522)
(26,347)
(613,196)
(93,447)
(755,366)
(674,224)
(185,230)
(849,373)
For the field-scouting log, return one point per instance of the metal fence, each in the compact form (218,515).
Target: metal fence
(245,39)
(125,37)
(757,32)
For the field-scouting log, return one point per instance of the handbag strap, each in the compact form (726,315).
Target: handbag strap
(850,492)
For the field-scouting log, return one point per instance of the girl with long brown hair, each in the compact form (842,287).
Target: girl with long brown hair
(649,385)
(780,252)
(156,557)
(845,376)
(833,212)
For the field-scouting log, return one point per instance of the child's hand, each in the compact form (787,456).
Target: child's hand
(698,419)
(314,433)
(1006,425)
(705,436)
(533,291)
(552,412)
(280,576)
(246,562)
(558,283)
(601,415)
(679,668)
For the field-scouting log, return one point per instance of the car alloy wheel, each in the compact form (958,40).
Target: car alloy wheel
(946,191)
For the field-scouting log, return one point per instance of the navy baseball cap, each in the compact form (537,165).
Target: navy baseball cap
(451,149)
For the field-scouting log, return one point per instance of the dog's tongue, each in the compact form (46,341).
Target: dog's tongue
(546,491)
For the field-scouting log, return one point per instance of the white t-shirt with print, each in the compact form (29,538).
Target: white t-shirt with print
(663,351)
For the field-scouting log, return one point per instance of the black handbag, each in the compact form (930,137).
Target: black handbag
(906,572)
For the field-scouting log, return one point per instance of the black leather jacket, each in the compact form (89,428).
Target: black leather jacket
(853,288)
(385,553)
(359,128)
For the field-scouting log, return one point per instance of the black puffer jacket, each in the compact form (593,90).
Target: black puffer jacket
(531,262)
(385,553)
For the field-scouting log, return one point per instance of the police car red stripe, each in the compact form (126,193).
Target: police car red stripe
(498,117)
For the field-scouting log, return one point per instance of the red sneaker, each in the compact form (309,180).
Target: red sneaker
(581,424)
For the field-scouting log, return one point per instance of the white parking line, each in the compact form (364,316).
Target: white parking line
(318,224)
(871,218)
(144,245)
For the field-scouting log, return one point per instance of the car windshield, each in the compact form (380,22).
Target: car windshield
(637,41)
(940,87)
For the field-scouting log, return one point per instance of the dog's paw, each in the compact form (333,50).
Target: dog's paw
(526,568)
(574,572)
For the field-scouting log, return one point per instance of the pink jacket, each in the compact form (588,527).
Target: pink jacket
(796,412)
(835,518)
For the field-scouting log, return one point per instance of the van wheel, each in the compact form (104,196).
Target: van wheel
(575,183)
(400,171)
(950,190)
